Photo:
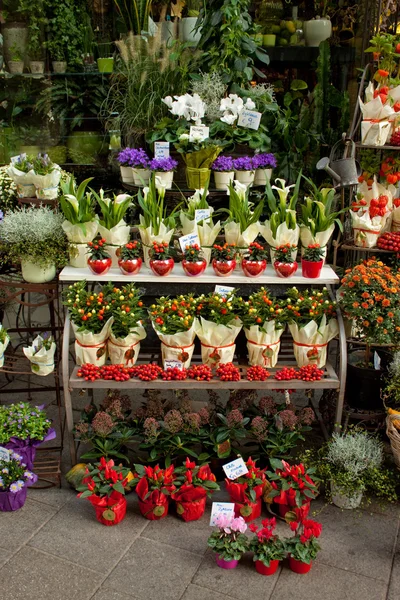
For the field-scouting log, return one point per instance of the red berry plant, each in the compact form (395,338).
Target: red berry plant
(88,310)
(130,251)
(292,485)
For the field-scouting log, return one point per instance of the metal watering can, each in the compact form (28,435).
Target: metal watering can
(344,171)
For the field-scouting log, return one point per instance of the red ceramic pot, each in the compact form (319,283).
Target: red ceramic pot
(194,269)
(99,267)
(311,270)
(253,268)
(299,567)
(264,570)
(249,511)
(113,514)
(130,266)
(285,269)
(162,267)
(223,268)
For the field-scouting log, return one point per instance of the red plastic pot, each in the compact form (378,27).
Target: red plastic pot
(311,270)
(299,567)
(223,268)
(191,511)
(264,570)
(226,564)
(152,511)
(111,515)
(99,267)
(249,511)
(285,269)
(162,267)
(130,266)
(253,268)
(194,269)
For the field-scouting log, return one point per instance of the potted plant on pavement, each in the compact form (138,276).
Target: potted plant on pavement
(229,541)
(129,258)
(303,547)
(246,491)
(154,487)
(105,486)
(223,259)
(14,480)
(284,264)
(312,261)
(99,261)
(292,485)
(224,172)
(194,483)
(269,549)
(255,262)
(112,226)
(193,262)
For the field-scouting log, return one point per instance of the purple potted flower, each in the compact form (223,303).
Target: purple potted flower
(244,169)
(224,172)
(164,170)
(134,165)
(263,163)
(15,477)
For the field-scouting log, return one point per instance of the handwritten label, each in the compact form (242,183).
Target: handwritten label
(173,364)
(223,290)
(221,508)
(377,361)
(202,214)
(189,240)
(4,454)
(249,119)
(161,149)
(198,133)
(235,469)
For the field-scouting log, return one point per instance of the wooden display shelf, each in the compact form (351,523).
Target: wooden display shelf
(348,246)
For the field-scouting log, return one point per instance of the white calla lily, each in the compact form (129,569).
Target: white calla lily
(240,189)
(72,200)
(161,185)
(283,190)
(121,198)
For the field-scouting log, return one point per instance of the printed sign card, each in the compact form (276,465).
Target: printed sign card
(249,119)
(235,469)
(221,508)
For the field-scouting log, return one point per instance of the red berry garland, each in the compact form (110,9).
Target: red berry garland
(257,373)
(89,372)
(147,372)
(389,241)
(200,372)
(286,374)
(174,374)
(228,372)
(310,373)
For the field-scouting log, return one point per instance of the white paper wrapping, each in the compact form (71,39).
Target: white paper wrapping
(115,237)
(148,237)
(47,185)
(394,93)
(263,347)
(42,363)
(321,237)
(125,351)
(217,340)
(376,126)
(284,235)
(207,233)
(78,241)
(23,181)
(367,230)
(3,348)
(92,347)
(178,346)
(396,219)
(233,235)
(309,338)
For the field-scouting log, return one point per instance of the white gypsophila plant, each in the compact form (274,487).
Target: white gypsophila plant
(355,452)
(211,89)
(8,191)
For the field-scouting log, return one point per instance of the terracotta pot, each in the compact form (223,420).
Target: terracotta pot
(130,266)
(223,268)
(299,567)
(226,564)
(37,67)
(285,269)
(194,269)
(111,515)
(253,268)
(162,268)
(264,570)
(99,267)
(311,270)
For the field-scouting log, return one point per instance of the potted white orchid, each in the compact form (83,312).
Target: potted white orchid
(233,106)
(112,226)
(281,228)
(243,226)
(197,217)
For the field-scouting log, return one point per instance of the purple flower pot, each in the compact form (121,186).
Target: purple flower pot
(10,501)
(27,448)
(226,564)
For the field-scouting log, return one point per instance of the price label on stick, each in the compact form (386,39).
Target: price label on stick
(161,149)
(189,240)
(223,290)
(249,119)
(173,364)
(198,133)
(227,509)
(235,469)
(202,214)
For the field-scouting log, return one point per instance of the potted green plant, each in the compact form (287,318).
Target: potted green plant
(312,261)
(228,541)
(4,341)
(21,172)
(16,62)
(35,238)
(189,32)
(46,177)
(105,60)
(197,206)
(319,29)
(112,226)
(268,548)
(243,225)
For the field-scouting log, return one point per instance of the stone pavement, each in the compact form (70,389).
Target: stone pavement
(54,549)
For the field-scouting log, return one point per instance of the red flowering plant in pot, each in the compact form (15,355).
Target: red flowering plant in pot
(194,483)
(193,263)
(224,259)
(154,487)
(292,486)
(284,264)
(161,261)
(303,547)
(99,261)
(246,491)
(105,485)
(312,261)
(129,257)
(254,262)
(269,549)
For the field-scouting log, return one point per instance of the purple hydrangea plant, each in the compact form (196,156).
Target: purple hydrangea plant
(264,161)
(243,163)
(163,164)
(132,157)
(223,163)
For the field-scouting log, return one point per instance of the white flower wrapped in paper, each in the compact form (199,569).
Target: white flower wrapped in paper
(217,340)
(4,341)
(41,355)
(366,225)
(263,343)
(310,342)
(177,346)
(243,225)
(318,217)
(112,226)
(23,181)
(206,230)
(148,236)
(125,351)
(47,185)
(375,126)
(92,347)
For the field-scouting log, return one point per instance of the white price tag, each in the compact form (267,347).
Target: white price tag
(249,119)
(223,290)
(189,240)
(161,149)
(235,469)
(4,454)
(377,361)
(173,364)
(198,133)
(202,214)
(221,508)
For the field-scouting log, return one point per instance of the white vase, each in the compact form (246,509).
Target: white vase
(33,273)
(245,177)
(141,176)
(341,500)
(78,255)
(223,179)
(166,177)
(126,174)
(317,31)
(187,30)
(261,176)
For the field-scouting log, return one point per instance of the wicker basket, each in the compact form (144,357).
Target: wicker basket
(394,436)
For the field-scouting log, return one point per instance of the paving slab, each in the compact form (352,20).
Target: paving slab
(17,527)
(394,585)
(76,535)
(54,496)
(324,582)
(194,592)
(34,575)
(4,556)
(109,594)
(153,571)
(242,583)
